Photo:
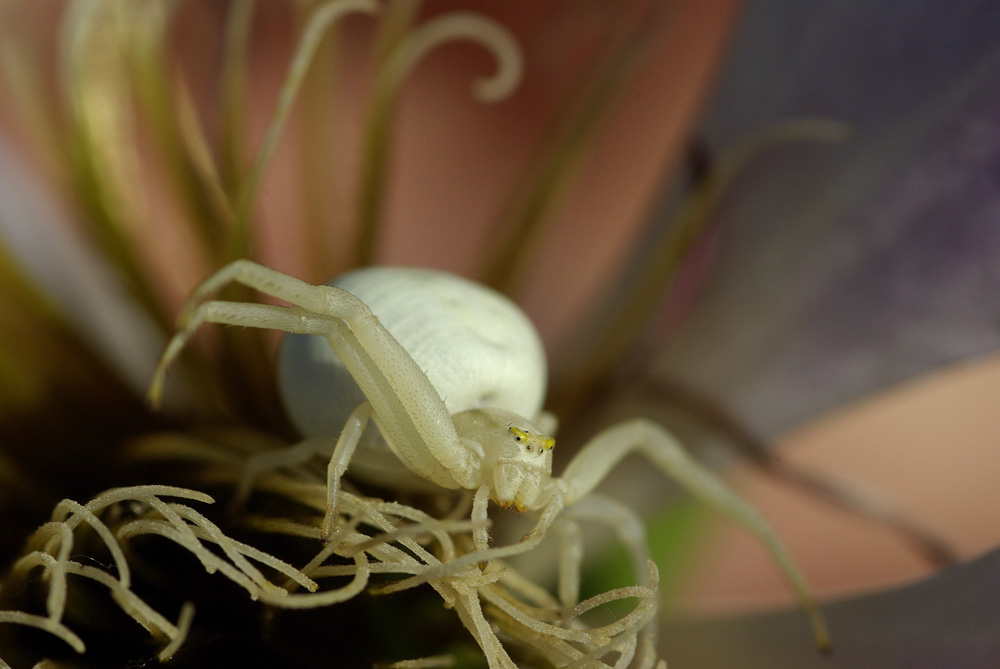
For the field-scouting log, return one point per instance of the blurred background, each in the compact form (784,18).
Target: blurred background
(773,226)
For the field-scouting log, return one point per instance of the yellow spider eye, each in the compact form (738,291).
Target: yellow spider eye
(542,442)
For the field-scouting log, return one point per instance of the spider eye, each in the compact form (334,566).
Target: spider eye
(532,440)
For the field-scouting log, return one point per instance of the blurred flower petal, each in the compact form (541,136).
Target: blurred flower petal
(39,235)
(945,621)
(843,270)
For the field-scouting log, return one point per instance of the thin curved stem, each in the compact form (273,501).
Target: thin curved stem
(399,63)
(232,124)
(102,152)
(318,23)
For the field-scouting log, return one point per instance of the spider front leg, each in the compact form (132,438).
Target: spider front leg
(408,409)
(313,318)
(262,279)
(243,314)
(592,464)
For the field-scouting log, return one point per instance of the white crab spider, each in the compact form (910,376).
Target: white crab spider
(476,348)
(490,449)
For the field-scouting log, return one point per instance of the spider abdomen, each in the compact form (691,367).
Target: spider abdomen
(477,348)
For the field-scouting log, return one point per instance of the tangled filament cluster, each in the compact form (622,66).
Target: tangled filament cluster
(373,537)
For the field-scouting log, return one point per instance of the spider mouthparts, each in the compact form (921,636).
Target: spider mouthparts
(516,505)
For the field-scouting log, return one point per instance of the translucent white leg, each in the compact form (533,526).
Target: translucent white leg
(570,560)
(244,314)
(631,533)
(341,457)
(480,516)
(607,449)
(262,279)
(626,525)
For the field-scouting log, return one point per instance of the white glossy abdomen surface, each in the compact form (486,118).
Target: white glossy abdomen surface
(476,347)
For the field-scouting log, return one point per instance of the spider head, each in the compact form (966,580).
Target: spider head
(516,456)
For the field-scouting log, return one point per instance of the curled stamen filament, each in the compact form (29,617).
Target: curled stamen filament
(459,26)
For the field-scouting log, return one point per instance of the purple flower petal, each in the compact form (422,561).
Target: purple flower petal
(842,270)
(40,237)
